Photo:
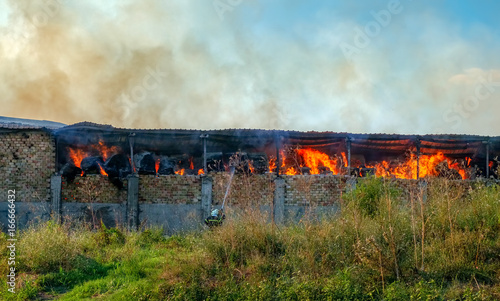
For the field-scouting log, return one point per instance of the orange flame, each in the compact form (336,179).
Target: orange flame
(291,171)
(180,172)
(427,167)
(77,156)
(157,165)
(272,164)
(283,158)
(101,170)
(201,171)
(250,166)
(344,159)
(191,165)
(105,151)
(313,158)
(490,164)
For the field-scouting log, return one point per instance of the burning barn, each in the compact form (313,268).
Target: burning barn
(172,177)
(87,148)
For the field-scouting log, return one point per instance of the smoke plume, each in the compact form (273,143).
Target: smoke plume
(227,64)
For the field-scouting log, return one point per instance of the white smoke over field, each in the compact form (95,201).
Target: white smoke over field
(189,64)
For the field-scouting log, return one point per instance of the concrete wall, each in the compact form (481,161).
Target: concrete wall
(112,215)
(27,213)
(172,217)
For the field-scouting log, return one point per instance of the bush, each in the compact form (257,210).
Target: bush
(369,192)
(106,237)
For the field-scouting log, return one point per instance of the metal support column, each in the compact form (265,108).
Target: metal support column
(131,143)
(204,137)
(487,159)
(277,140)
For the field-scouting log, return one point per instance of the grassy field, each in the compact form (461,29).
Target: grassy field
(383,245)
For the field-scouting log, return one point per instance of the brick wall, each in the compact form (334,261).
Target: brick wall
(93,189)
(27,160)
(245,189)
(172,189)
(317,190)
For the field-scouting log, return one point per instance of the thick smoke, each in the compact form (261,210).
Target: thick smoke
(225,64)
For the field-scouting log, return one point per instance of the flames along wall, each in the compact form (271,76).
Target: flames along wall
(28,160)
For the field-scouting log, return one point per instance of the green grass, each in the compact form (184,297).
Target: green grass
(385,244)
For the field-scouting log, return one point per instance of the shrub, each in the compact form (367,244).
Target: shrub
(369,192)
(105,236)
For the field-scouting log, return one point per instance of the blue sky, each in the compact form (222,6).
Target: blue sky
(432,67)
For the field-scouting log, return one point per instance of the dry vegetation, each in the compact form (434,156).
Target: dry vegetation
(438,241)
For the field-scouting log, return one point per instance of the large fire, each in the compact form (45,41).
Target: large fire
(318,162)
(428,165)
(295,161)
(315,159)
(102,150)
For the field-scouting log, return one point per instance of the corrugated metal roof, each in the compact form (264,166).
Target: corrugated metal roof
(18,126)
(230,139)
(240,131)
